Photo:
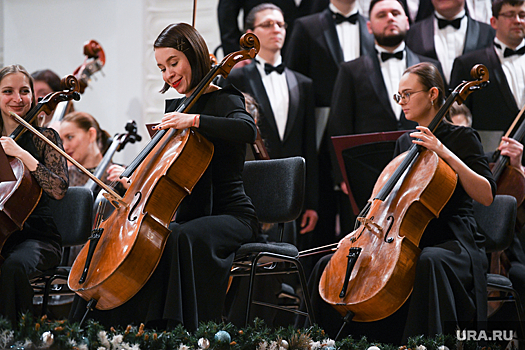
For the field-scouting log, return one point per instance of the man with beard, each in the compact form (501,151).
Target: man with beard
(362,99)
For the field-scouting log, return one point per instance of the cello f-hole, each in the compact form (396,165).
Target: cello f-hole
(136,201)
(391,220)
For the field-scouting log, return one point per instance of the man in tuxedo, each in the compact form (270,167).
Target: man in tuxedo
(285,100)
(228,13)
(319,43)
(449,33)
(495,106)
(363,93)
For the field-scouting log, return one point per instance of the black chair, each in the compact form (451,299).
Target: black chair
(496,222)
(73,216)
(276,188)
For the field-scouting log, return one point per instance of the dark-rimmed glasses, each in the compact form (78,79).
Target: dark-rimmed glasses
(271,24)
(405,96)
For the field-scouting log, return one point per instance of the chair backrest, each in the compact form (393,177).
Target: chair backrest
(276,188)
(496,222)
(73,215)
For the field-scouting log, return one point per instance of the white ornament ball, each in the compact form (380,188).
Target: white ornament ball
(443,347)
(284,344)
(204,343)
(373,348)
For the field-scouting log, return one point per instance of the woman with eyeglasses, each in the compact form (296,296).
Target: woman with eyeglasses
(450,286)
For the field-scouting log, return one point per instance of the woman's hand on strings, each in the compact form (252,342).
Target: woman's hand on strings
(427,139)
(512,149)
(114,172)
(178,120)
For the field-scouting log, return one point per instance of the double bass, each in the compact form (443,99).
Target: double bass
(125,249)
(94,62)
(372,273)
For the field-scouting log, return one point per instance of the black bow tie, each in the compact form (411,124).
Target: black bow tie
(510,52)
(339,18)
(268,68)
(387,55)
(456,23)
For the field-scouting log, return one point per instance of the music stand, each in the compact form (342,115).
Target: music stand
(6,172)
(361,159)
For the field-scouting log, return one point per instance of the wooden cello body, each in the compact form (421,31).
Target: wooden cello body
(114,266)
(372,273)
(135,234)
(390,244)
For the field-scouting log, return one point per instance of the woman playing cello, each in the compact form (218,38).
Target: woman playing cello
(450,286)
(37,246)
(189,284)
(86,142)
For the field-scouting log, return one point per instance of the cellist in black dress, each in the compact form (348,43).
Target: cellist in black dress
(37,246)
(450,285)
(189,284)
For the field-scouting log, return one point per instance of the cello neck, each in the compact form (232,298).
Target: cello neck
(500,162)
(103,165)
(414,150)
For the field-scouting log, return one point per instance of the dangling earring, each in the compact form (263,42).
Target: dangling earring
(432,101)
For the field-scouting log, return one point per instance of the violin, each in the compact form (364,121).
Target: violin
(94,61)
(19,198)
(372,272)
(125,248)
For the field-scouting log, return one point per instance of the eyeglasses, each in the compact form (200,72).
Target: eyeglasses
(512,15)
(271,24)
(405,96)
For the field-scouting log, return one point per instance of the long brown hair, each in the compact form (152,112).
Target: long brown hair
(85,121)
(16,68)
(184,38)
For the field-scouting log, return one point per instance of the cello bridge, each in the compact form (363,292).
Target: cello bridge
(368,223)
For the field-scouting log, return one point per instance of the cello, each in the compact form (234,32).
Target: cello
(372,273)
(510,181)
(19,198)
(126,248)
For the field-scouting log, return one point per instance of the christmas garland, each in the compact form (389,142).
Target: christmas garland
(42,333)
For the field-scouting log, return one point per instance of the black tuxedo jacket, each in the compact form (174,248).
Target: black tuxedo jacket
(420,37)
(228,11)
(361,104)
(425,9)
(314,50)
(299,135)
(493,107)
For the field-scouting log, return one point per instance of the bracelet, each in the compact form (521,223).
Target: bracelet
(195,119)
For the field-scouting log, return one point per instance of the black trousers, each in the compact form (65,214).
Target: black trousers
(23,260)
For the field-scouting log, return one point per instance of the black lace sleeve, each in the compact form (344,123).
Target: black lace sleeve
(51,173)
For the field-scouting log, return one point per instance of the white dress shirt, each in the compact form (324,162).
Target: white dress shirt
(514,69)
(348,35)
(480,10)
(449,42)
(277,90)
(392,71)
